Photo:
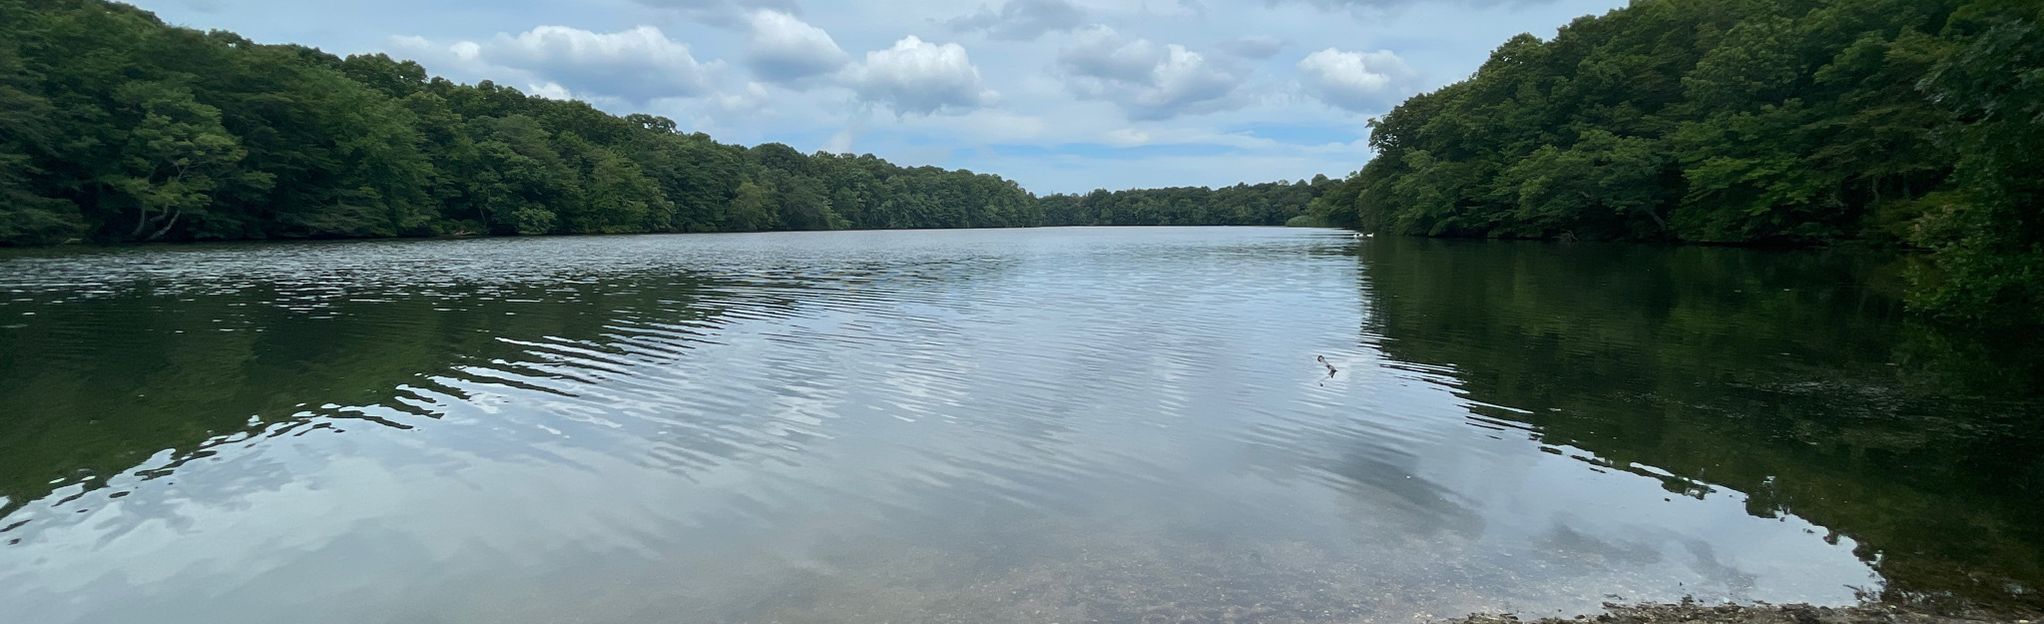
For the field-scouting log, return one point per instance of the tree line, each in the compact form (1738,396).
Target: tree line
(1683,339)
(1269,203)
(115,127)
(1906,123)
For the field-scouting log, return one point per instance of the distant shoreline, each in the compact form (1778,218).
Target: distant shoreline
(88,244)
(1689,612)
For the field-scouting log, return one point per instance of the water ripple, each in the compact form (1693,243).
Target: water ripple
(985,426)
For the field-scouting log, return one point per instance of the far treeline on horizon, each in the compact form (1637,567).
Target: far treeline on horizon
(1911,125)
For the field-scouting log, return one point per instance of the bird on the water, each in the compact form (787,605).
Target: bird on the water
(1331,370)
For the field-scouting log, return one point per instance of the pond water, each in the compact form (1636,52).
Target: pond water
(1052,425)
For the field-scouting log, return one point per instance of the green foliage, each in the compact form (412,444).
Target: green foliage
(115,127)
(749,209)
(173,160)
(1894,122)
(1604,184)
(530,220)
(1838,433)
(1270,203)
(1988,237)
(25,215)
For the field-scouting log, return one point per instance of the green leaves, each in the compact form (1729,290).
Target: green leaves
(175,156)
(116,127)
(1270,203)
(1987,234)
(26,215)
(1753,64)
(1891,121)
(1604,186)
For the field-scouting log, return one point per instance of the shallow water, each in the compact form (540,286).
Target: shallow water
(1057,425)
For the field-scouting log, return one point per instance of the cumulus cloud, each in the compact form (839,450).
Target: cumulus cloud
(1256,47)
(550,90)
(206,6)
(721,12)
(639,64)
(1237,77)
(784,48)
(919,77)
(840,143)
(1357,81)
(1148,81)
(1384,5)
(1021,20)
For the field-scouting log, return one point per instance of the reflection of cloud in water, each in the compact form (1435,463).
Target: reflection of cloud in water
(1426,505)
(1609,549)
(793,431)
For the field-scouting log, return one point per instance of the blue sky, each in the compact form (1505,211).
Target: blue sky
(1060,95)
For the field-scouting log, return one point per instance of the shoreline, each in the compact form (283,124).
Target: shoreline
(1692,612)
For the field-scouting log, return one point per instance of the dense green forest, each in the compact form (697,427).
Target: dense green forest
(1916,123)
(115,127)
(1915,443)
(1905,123)
(1270,203)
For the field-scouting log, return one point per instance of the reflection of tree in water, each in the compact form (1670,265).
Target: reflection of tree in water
(96,386)
(1791,377)
(152,358)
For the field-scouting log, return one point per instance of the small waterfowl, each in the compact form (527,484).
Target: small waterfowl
(1331,370)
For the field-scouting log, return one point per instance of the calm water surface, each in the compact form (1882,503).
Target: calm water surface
(1063,425)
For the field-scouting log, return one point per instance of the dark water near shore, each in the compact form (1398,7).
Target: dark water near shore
(1063,425)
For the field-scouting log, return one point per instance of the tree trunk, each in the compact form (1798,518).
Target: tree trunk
(141,222)
(174,214)
(1657,218)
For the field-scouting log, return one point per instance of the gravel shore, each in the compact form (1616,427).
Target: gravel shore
(1697,613)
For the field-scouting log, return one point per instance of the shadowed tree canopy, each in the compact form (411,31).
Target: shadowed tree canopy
(1270,203)
(1906,123)
(1916,123)
(115,127)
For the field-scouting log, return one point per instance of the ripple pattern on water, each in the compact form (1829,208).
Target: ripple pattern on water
(983,426)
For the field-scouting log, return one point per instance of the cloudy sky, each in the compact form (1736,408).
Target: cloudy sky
(1061,95)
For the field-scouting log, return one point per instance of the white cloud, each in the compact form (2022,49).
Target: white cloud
(550,90)
(1021,20)
(1257,47)
(721,12)
(1357,81)
(840,143)
(919,77)
(989,125)
(1148,81)
(1380,6)
(464,51)
(784,48)
(1233,103)
(1127,137)
(639,64)
(206,6)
